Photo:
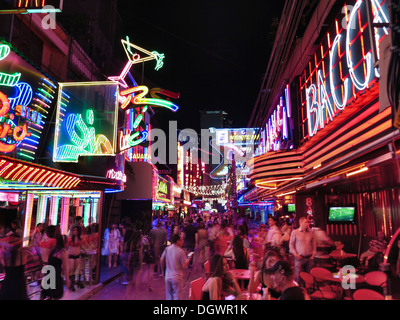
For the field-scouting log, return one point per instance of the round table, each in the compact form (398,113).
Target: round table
(241,274)
(335,278)
(341,255)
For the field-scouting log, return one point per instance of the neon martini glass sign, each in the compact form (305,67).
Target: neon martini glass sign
(135,97)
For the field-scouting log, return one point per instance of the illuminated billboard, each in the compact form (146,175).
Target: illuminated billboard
(26,100)
(86,120)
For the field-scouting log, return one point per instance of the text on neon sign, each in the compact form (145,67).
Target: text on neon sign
(116,175)
(322,107)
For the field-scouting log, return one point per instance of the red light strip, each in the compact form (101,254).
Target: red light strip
(331,143)
(25,173)
(66,183)
(76,183)
(54,178)
(55,184)
(15,177)
(12,171)
(48,178)
(43,177)
(5,168)
(68,186)
(38,176)
(32,174)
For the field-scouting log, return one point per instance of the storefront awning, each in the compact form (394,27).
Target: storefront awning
(17,174)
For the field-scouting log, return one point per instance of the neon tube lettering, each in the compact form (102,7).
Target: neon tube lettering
(312,111)
(318,108)
(324,102)
(332,84)
(140,99)
(368,58)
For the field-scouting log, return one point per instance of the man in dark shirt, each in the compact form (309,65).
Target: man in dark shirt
(158,238)
(190,237)
(282,275)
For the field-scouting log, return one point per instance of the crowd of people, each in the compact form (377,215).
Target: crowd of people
(285,251)
(47,250)
(173,245)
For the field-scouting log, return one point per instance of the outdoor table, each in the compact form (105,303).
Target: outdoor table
(341,255)
(241,275)
(336,279)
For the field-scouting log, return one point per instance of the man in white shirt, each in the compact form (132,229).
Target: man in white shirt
(175,262)
(274,234)
(303,246)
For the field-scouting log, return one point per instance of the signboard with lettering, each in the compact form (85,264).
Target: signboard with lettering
(278,131)
(26,99)
(343,66)
(86,120)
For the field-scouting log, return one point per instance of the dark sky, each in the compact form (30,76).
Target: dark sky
(215,52)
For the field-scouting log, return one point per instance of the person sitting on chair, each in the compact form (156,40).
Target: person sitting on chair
(376,246)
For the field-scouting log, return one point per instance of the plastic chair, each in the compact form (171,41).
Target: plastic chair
(367,294)
(196,286)
(314,292)
(321,274)
(376,278)
(324,279)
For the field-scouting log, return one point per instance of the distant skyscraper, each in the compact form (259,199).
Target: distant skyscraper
(214,119)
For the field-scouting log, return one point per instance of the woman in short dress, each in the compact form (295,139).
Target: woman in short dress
(113,245)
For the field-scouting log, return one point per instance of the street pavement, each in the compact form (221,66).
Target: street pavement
(117,290)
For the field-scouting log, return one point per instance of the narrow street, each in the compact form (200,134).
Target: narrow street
(116,290)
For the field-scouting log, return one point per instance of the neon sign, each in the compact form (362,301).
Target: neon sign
(116,175)
(76,131)
(278,132)
(343,69)
(134,99)
(22,108)
(162,187)
(134,58)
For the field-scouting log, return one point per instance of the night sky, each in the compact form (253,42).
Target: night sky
(216,52)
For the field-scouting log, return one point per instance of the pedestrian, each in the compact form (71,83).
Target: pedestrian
(58,259)
(189,232)
(127,231)
(175,261)
(158,237)
(14,257)
(114,239)
(133,251)
(202,243)
(238,253)
(273,236)
(148,260)
(303,246)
